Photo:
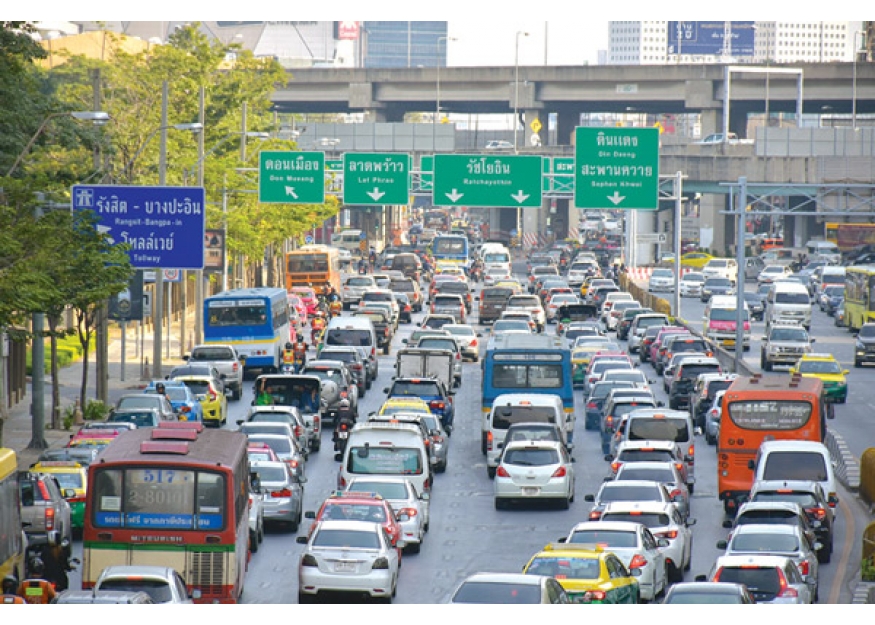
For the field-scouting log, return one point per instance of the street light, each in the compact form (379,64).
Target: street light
(98,117)
(437,110)
(516,83)
(854,80)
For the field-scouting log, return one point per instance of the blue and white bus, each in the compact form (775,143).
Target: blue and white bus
(451,248)
(254,321)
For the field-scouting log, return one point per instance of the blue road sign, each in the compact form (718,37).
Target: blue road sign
(308,240)
(163,225)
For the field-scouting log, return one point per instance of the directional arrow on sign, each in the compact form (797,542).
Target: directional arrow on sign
(291,191)
(376,194)
(616,198)
(455,196)
(519,196)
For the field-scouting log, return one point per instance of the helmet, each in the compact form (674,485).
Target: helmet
(288,346)
(36,566)
(10,584)
(344,404)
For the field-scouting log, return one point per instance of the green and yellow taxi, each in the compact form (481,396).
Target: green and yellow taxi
(828,370)
(587,573)
(70,475)
(696,260)
(211,397)
(580,357)
(404,405)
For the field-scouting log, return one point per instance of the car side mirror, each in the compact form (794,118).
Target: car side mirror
(727,524)
(302,540)
(690,522)
(811,341)
(751,465)
(722,544)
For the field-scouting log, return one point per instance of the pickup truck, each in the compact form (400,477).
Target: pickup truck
(382,325)
(412,362)
(227,362)
(434,391)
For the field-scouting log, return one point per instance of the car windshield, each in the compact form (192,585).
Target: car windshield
(819,366)
(763,581)
(765,542)
(415,389)
(565,567)
(653,474)
(867,331)
(648,519)
(796,335)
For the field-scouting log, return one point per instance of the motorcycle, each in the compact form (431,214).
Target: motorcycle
(57,561)
(288,368)
(335,308)
(341,435)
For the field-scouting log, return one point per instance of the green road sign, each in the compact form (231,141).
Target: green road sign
(291,177)
(563,174)
(426,173)
(376,179)
(616,168)
(476,180)
(335,166)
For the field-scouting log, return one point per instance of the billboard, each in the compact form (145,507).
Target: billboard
(214,250)
(706,38)
(347,30)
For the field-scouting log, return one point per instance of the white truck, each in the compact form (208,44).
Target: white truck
(412,362)
(225,359)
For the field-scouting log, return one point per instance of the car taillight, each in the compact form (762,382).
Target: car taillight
(281,493)
(185,409)
(675,493)
(592,404)
(804,567)
(438,405)
(609,422)
(357,367)
(410,512)
(380,564)
(234,367)
(386,331)
(637,562)
(679,466)
(785,590)
(344,394)
(691,451)
(502,472)
(672,534)
(560,472)
(309,560)
(615,466)
(594,595)
(373,352)
(298,431)
(293,464)
(473,343)
(490,438)
(595,515)
(817,513)
(213,394)
(50,518)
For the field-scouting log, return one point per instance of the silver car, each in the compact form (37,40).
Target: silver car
(348,556)
(665,473)
(769,578)
(530,470)
(282,493)
(467,339)
(161,583)
(411,510)
(778,540)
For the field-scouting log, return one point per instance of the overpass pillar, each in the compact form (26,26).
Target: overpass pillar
(566,122)
(738,122)
(375,115)
(533,119)
(711,121)
(712,224)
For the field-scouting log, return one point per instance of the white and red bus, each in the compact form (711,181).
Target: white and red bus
(175,495)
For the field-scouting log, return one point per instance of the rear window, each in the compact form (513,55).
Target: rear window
(663,429)
(795,465)
(498,593)
(648,519)
(212,353)
(356,338)
(759,581)
(157,589)
(645,455)
(495,294)
(360,282)
(691,372)
(606,538)
(505,416)
(531,457)
(374,460)
(629,493)
(525,301)
(415,389)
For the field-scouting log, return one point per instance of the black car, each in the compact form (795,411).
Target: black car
(864,345)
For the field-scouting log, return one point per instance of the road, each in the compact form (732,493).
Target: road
(468,535)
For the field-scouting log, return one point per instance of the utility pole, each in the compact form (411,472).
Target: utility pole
(101,356)
(158,304)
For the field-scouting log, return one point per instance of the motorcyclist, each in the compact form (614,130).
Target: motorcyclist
(10,591)
(289,355)
(57,561)
(342,423)
(316,327)
(299,352)
(36,590)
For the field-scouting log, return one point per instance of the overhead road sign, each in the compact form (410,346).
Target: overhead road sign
(291,177)
(371,178)
(652,237)
(476,180)
(616,168)
(163,225)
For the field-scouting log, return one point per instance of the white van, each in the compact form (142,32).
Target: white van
(831,275)
(720,320)
(658,424)
(386,449)
(495,255)
(788,302)
(348,240)
(823,250)
(348,331)
(796,460)
(513,408)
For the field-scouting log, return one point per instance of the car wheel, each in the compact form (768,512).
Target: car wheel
(235,393)
(304,598)
(500,504)
(690,488)
(253,541)
(490,471)
(441,468)
(564,503)
(413,548)
(710,439)
(315,446)
(261,531)
(857,364)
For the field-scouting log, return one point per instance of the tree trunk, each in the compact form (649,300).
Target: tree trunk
(54,321)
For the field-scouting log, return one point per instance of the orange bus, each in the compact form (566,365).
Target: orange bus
(757,409)
(313,266)
(178,495)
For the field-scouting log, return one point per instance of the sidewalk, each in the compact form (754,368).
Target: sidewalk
(17,429)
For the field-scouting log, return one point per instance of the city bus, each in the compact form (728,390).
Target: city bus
(254,321)
(451,248)
(313,266)
(859,292)
(536,364)
(175,495)
(756,409)
(12,539)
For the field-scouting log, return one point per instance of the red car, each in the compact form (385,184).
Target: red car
(353,506)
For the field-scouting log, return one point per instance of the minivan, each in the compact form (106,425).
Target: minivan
(788,302)
(664,425)
(386,449)
(356,332)
(720,321)
(511,408)
(796,460)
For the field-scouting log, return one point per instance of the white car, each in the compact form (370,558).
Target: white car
(635,545)
(635,376)
(348,556)
(162,583)
(769,578)
(770,273)
(466,337)
(661,280)
(534,470)
(558,300)
(411,508)
(691,284)
(492,275)
(612,318)
(664,521)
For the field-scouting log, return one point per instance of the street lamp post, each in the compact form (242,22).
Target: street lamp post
(98,117)
(516,104)
(437,109)
(854,79)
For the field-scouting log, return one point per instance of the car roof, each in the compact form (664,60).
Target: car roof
(534,445)
(738,561)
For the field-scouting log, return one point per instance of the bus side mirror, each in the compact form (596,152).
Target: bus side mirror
(751,465)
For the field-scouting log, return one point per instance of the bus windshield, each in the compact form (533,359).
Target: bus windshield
(237,313)
(445,245)
(769,414)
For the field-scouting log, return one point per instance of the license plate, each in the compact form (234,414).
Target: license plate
(344,567)
(531,491)
(729,342)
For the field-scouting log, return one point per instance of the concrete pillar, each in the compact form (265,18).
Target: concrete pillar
(712,225)
(566,122)
(711,121)
(377,115)
(738,122)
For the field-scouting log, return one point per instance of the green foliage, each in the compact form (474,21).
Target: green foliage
(95,410)
(68,417)
(867,570)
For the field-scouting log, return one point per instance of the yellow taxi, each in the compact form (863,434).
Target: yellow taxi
(70,475)
(213,401)
(827,369)
(580,357)
(588,574)
(692,259)
(404,405)
(511,284)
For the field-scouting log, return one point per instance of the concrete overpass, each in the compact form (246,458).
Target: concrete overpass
(388,94)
